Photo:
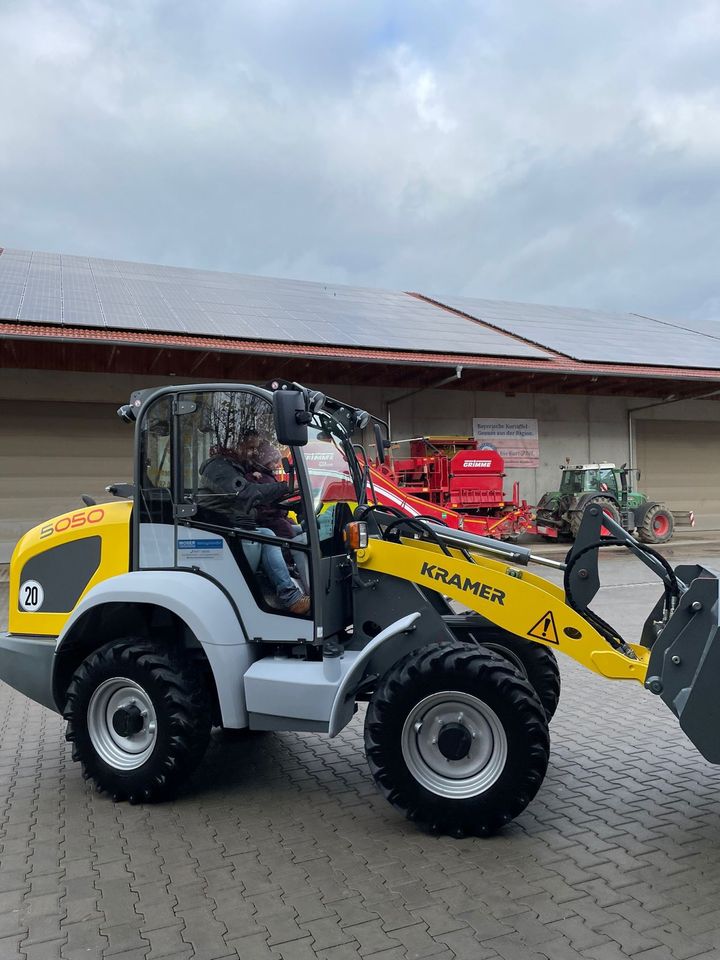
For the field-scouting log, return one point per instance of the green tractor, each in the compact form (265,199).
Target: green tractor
(560,512)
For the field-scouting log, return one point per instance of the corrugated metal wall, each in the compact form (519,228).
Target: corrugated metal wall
(50,453)
(680,464)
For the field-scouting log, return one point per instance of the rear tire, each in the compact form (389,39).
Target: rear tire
(138,718)
(658,525)
(490,753)
(608,506)
(535,663)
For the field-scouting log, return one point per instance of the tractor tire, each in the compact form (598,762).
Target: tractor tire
(658,525)
(535,663)
(608,506)
(138,718)
(479,704)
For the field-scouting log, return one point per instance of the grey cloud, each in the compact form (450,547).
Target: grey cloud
(564,152)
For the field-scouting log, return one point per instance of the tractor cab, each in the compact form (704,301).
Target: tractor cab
(592,477)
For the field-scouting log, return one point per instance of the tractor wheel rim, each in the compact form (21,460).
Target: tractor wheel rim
(660,525)
(459,719)
(108,702)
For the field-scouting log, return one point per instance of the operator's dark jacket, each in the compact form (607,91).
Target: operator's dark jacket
(226,491)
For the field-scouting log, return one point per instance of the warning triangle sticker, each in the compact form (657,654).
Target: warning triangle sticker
(545,629)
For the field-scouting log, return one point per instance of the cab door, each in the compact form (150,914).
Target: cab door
(189,521)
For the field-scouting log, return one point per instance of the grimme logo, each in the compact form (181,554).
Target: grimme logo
(482,590)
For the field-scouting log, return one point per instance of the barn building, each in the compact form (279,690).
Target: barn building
(78,334)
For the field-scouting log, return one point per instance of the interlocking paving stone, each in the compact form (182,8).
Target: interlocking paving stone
(281,849)
(167,942)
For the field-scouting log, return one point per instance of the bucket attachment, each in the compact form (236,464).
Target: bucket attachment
(684,665)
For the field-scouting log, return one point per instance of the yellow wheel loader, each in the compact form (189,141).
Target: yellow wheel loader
(192,601)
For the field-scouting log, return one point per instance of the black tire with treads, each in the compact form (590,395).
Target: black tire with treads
(182,708)
(472,670)
(658,525)
(609,506)
(536,662)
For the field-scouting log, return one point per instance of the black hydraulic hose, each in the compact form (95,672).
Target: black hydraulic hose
(367,508)
(422,526)
(613,636)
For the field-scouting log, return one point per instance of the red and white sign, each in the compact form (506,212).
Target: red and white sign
(515,440)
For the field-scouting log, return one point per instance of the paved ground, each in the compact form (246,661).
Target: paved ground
(281,848)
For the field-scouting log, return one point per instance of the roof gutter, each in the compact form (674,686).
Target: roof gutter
(19,331)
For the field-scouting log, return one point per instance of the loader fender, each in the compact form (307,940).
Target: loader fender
(343,704)
(201,605)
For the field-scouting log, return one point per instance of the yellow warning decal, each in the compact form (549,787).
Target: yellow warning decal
(545,629)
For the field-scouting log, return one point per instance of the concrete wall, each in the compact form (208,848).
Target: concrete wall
(583,429)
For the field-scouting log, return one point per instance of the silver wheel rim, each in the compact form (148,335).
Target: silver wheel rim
(474,773)
(121,752)
(508,655)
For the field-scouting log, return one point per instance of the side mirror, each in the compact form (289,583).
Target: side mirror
(126,490)
(379,442)
(291,418)
(126,413)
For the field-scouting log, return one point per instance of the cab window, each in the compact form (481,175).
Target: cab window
(606,481)
(155,500)
(333,487)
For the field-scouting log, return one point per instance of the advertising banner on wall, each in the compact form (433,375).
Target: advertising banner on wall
(515,440)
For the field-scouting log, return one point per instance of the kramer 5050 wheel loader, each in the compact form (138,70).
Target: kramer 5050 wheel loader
(148,620)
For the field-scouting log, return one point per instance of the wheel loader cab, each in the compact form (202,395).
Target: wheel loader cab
(219,494)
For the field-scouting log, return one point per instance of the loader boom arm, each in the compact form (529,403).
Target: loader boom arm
(513,599)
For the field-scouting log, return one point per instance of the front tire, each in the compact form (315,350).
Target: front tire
(457,740)
(658,525)
(138,718)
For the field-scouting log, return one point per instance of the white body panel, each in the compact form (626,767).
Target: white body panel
(157,550)
(319,691)
(301,689)
(207,612)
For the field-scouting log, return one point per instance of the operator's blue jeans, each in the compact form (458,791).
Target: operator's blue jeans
(275,568)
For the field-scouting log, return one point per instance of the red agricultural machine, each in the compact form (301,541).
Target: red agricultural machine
(450,480)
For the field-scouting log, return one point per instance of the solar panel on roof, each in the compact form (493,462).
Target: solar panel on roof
(136,296)
(709,327)
(596,335)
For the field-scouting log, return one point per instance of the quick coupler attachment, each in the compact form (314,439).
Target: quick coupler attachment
(684,664)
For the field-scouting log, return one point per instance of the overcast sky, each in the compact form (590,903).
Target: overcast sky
(557,152)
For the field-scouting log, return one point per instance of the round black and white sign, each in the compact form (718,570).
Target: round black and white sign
(31,596)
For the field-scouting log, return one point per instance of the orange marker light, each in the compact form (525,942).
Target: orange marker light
(355,535)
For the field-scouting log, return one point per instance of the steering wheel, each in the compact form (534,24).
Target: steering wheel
(289,503)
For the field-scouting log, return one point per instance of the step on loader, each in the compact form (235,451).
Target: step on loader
(223,589)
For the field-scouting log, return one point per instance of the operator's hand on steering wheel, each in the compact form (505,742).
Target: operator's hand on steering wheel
(272,494)
(290,503)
